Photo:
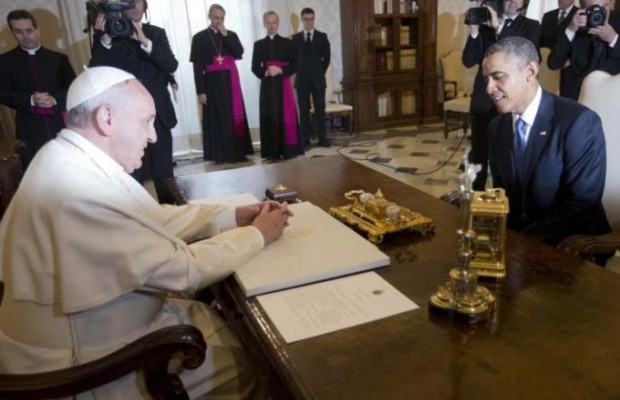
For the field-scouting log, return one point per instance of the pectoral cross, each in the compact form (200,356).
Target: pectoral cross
(219,59)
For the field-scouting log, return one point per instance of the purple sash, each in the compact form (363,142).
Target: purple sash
(44,110)
(288,100)
(227,63)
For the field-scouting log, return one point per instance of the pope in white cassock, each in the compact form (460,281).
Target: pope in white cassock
(88,255)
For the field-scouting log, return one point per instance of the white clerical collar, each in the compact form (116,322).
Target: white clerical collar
(31,52)
(272,36)
(511,17)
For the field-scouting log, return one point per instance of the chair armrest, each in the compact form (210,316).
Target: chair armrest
(152,353)
(339,92)
(587,247)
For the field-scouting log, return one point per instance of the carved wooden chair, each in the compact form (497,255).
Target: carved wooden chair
(11,171)
(334,108)
(600,91)
(549,79)
(151,353)
(458,83)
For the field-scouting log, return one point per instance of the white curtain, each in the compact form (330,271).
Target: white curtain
(182,19)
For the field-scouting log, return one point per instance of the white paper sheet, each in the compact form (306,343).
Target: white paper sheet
(320,308)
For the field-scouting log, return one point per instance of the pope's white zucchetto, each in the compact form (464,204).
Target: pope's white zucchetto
(93,82)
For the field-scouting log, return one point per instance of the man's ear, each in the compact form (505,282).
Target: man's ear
(103,119)
(531,70)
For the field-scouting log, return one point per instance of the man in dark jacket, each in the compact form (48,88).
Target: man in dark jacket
(588,48)
(147,55)
(313,53)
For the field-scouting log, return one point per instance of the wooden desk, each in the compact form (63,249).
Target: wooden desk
(555,334)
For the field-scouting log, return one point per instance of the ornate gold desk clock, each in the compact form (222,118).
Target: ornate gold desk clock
(376,216)
(461,296)
(487,217)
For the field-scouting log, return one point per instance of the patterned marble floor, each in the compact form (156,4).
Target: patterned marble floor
(419,156)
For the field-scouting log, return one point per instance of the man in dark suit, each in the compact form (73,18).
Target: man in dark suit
(588,49)
(147,55)
(546,151)
(554,23)
(34,82)
(314,53)
(508,22)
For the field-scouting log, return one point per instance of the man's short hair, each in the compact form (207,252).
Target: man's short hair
(20,14)
(216,7)
(306,11)
(268,13)
(519,48)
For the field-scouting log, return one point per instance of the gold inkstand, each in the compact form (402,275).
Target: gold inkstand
(374,215)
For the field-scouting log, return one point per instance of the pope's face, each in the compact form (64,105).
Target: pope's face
(25,33)
(133,127)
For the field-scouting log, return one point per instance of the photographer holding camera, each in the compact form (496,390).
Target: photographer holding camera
(501,19)
(143,51)
(589,43)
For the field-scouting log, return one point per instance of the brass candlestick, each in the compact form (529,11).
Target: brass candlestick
(460,296)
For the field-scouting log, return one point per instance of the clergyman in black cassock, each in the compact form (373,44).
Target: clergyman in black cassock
(29,72)
(225,132)
(274,61)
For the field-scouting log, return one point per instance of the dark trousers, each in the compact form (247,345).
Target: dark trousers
(303,100)
(158,157)
(479,153)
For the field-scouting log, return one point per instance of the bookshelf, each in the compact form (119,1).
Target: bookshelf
(389,60)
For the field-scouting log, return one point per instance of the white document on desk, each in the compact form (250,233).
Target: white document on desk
(329,306)
(315,247)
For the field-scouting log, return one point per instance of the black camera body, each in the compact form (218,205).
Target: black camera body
(116,25)
(480,15)
(596,16)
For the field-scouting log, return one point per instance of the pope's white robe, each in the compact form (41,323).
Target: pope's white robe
(87,257)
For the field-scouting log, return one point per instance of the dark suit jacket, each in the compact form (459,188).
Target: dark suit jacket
(474,54)
(152,70)
(313,60)
(564,176)
(550,32)
(550,27)
(586,53)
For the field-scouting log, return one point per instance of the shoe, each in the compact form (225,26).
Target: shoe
(325,144)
